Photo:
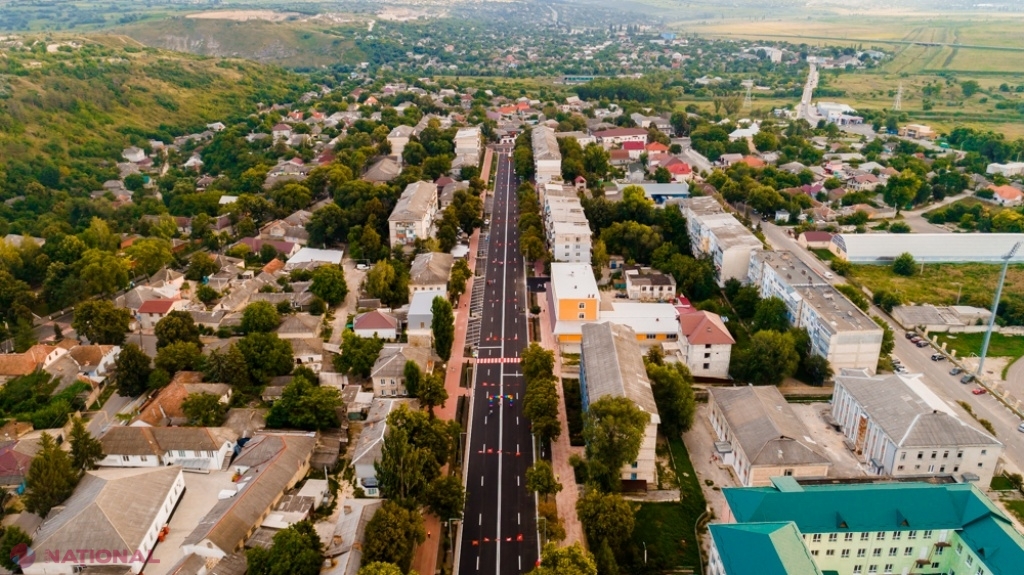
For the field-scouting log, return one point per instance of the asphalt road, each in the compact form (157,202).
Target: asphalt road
(499,533)
(935,374)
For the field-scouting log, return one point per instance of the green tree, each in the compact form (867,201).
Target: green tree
(888,337)
(970,87)
(201,265)
(904,265)
(175,327)
(179,356)
(295,550)
(540,405)
(442,324)
(51,477)
(413,377)
(150,254)
(901,189)
(446,498)
(571,560)
(540,478)
(329,284)
(358,354)
(99,236)
(537,362)
(388,281)
(260,317)
(204,410)
(432,392)
(15,545)
(392,535)
(457,281)
(86,450)
(228,366)
(206,294)
(606,518)
(103,272)
(131,371)
(771,314)
(380,568)
(767,359)
(304,405)
(266,356)
(405,469)
(613,428)
(101,322)
(816,369)
(673,394)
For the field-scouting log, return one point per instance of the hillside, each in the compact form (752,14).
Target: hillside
(69,106)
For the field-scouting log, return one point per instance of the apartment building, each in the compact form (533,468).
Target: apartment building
(719,235)
(618,136)
(646,284)
(413,216)
(705,345)
(547,158)
(839,330)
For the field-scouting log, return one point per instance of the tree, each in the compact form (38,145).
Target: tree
(329,284)
(175,327)
(304,405)
(537,362)
(204,410)
(413,377)
(673,394)
(571,560)
(389,281)
(296,550)
(970,87)
(266,356)
(904,265)
(771,314)
(14,547)
(51,477)
(131,371)
(606,518)
(358,354)
(206,294)
(432,392)
(150,254)
(540,478)
(179,356)
(415,449)
(767,359)
(888,337)
(540,405)
(457,281)
(260,317)
(662,175)
(380,568)
(816,369)
(101,322)
(613,428)
(392,534)
(446,497)
(442,324)
(103,272)
(228,366)
(901,189)
(200,266)
(86,450)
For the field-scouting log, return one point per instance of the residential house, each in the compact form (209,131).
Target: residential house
(706,344)
(299,326)
(385,170)
(283,231)
(582,138)
(133,154)
(896,426)
(308,353)
(760,436)
(16,456)
(718,234)
(164,408)
(918,132)
(814,240)
(114,517)
(420,318)
(154,310)
(90,364)
(194,448)
(312,258)
(647,284)
(430,272)
(370,443)
(281,132)
(388,374)
(268,466)
(287,249)
(547,158)
(612,365)
(398,138)
(1006,196)
(376,324)
(413,216)
(615,137)
(863,182)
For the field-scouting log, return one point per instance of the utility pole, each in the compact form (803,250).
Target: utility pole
(995,307)
(897,104)
(748,102)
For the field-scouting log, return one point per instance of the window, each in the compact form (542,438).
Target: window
(583,305)
(143,458)
(888,567)
(856,569)
(903,456)
(634,465)
(862,553)
(816,538)
(880,536)
(984,451)
(830,552)
(908,551)
(959,548)
(894,551)
(651,336)
(920,455)
(927,534)
(896,535)
(181,453)
(126,458)
(912,535)
(845,553)
(956,468)
(876,552)
(814,552)
(934,454)
(917,467)
(945,454)
(942,469)
(980,571)
(980,464)
(939,550)
(707,355)
(959,454)
(970,560)
(931,469)
(899,468)
(848,537)
(865,536)
(789,473)
(582,316)
(872,569)
(833,537)
(707,366)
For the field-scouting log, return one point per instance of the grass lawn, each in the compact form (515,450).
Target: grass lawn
(938,284)
(1000,483)
(1016,507)
(999,346)
(824,255)
(668,528)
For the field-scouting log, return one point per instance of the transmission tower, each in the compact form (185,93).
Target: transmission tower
(898,102)
(995,308)
(748,102)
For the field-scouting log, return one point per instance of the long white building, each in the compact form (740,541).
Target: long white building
(547,159)
(716,233)
(839,330)
(926,248)
(567,231)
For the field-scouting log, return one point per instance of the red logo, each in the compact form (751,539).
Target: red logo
(23,555)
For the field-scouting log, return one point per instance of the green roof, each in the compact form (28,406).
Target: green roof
(894,506)
(762,549)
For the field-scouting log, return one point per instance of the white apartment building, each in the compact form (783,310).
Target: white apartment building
(716,233)
(413,216)
(618,136)
(839,330)
(646,284)
(897,426)
(612,365)
(582,138)
(547,158)
(705,345)
(570,242)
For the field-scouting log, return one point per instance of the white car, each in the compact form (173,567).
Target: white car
(362,267)
(828,275)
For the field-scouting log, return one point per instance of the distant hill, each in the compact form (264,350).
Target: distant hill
(68,106)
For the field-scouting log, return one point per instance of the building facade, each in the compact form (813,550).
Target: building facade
(547,159)
(719,235)
(413,216)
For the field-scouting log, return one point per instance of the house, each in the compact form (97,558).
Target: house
(420,317)
(634,149)
(1007,170)
(619,157)
(430,272)
(346,548)
(114,517)
(308,352)
(311,258)
(398,138)
(299,326)
(1006,196)
(718,234)
(268,465)
(547,158)
(706,344)
(194,448)
(646,284)
(164,408)
(918,132)
(154,310)
(896,426)
(36,357)
(729,159)
(760,436)
(15,459)
(384,171)
(860,526)
(167,277)
(287,249)
(281,132)
(814,240)
(413,216)
(388,373)
(86,363)
(133,154)
(863,182)
(370,443)
(283,231)
(611,365)
(615,137)
(376,324)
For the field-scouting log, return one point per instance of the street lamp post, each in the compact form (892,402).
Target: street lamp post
(959,290)
(645,552)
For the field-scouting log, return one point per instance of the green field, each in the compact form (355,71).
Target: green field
(967,344)
(939,283)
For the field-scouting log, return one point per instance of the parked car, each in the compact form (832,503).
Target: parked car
(915,339)
(922,343)
(938,357)
(362,267)
(1020,428)
(910,335)
(901,369)
(967,378)
(621,296)
(956,371)
(978,391)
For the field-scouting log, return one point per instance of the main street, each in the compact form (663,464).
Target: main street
(499,533)
(935,374)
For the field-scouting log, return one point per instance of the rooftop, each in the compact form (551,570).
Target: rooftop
(884,248)
(573,281)
(704,328)
(614,366)
(415,202)
(763,548)
(431,268)
(545,145)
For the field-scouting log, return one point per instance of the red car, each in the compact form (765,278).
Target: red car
(978,391)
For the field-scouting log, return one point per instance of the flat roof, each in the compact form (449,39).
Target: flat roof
(702,206)
(883,248)
(573,281)
(730,232)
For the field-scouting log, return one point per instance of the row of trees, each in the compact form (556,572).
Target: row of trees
(540,403)
(531,227)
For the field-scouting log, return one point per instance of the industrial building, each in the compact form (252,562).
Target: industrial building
(926,248)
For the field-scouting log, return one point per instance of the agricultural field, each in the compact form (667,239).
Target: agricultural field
(939,284)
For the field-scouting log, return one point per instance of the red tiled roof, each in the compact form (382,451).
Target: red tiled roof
(632,145)
(375,320)
(817,236)
(618,155)
(681,168)
(657,147)
(753,162)
(1008,193)
(705,328)
(160,306)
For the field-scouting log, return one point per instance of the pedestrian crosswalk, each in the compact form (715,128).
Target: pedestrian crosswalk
(498,360)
